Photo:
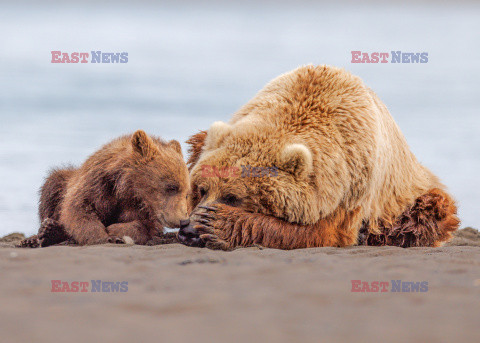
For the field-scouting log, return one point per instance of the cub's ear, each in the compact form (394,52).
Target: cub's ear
(297,160)
(144,145)
(176,146)
(216,133)
(196,142)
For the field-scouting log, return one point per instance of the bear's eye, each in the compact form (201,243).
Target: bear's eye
(202,191)
(230,200)
(171,189)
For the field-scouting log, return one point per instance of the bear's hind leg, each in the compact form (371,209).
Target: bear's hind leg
(52,232)
(52,193)
(429,222)
(442,208)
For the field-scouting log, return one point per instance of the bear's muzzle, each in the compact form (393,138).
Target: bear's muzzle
(188,235)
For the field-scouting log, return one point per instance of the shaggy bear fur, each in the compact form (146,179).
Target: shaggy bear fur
(133,186)
(345,172)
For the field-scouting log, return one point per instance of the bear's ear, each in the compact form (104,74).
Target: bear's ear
(216,133)
(196,142)
(297,160)
(144,145)
(175,146)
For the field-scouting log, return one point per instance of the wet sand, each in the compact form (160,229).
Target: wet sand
(180,294)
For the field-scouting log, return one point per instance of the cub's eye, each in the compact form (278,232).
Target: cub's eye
(202,191)
(171,189)
(230,200)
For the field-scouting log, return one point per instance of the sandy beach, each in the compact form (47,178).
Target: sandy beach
(179,294)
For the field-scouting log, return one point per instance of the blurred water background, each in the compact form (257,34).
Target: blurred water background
(193,63)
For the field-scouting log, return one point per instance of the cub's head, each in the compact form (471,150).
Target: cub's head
(158,178)
(255,170)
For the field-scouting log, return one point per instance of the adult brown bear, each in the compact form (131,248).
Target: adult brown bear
(345,172)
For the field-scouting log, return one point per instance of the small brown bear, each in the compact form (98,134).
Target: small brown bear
(131,187)
(345,174)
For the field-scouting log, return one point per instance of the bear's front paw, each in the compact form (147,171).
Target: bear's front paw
(213,242)
(115,240)
(216,226)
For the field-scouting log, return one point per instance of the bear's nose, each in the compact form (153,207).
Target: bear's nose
(189,236)
(184,223)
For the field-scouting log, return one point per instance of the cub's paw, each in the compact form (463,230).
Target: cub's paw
(52,232)
(115,240)
(30,242)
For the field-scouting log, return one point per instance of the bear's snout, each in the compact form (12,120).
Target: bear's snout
(189,236)
(184,223)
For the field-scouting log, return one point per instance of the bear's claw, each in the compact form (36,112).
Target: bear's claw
(204,221)
(206,215)
(209,208)
(201,229)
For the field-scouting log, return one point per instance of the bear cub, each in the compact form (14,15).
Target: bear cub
(128,190)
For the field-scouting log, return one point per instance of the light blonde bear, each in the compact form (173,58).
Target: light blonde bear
(345,172)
